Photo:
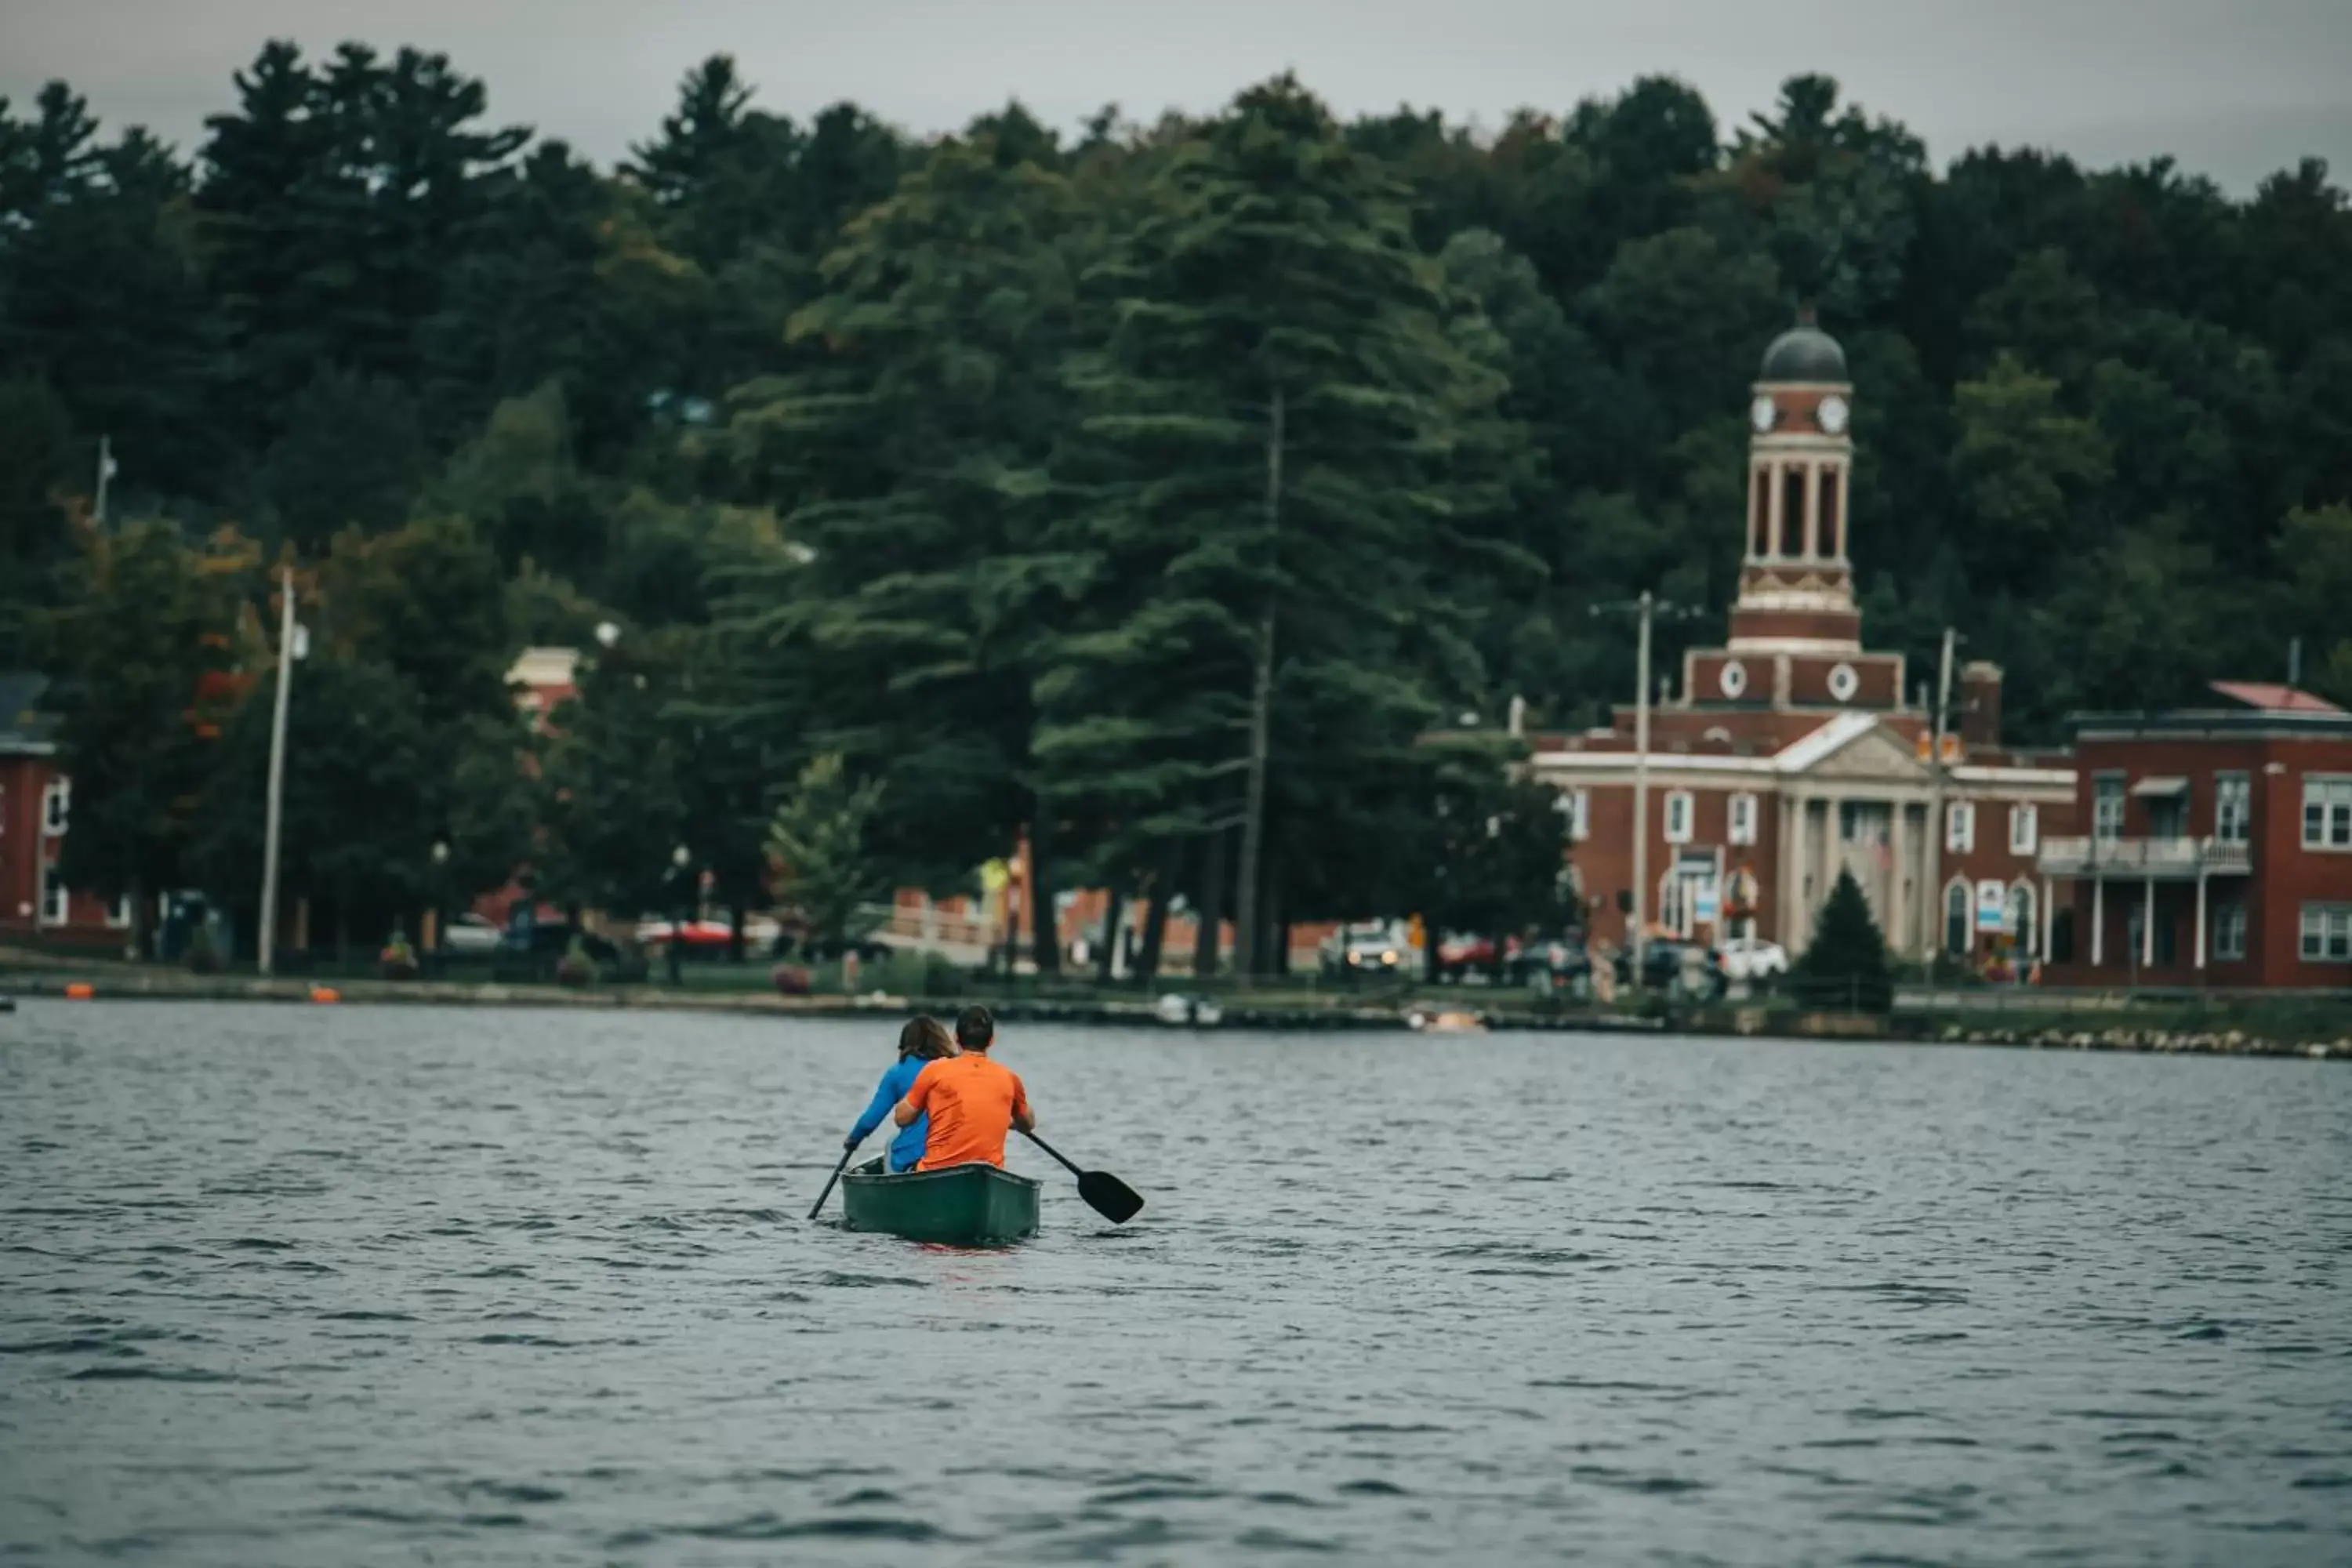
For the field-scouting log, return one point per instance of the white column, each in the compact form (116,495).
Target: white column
(2098,918)
(1900,911)
(1813,510)
(1779,524)
(2147,923)
(1800,922)
(2047,916)
(2200,918)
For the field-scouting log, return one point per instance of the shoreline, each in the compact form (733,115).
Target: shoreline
(1948,1026)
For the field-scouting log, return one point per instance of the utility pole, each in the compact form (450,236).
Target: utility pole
(1641,785)
(105,472)
(1931,893)
(1245,933)
(277,773)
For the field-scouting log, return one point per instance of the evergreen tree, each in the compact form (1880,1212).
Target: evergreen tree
(1846,964)
(819,863)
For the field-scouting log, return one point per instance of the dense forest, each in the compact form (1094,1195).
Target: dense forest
(1155,492)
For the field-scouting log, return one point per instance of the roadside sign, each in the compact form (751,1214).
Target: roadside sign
(1705,906)
(1993,906)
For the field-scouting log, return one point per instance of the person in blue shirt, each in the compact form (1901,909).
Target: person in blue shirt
(922,1042)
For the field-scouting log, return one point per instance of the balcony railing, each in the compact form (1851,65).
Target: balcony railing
(2143,857)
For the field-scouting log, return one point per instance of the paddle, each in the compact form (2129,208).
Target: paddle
(1104,1193)
(846,1155)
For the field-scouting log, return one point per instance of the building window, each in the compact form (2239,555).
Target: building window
(2233,807)
(2019,922)
(1678,818)
(2025,829)
(57,804)
(2230,930)
(1792,511)
(1960,826)
(1830,550)
(2326,932)
(2327,813)
(2107,808)
(1579,804)
(1959,915)
(1760,487)
(54,897)
(1743,819)
(118,914)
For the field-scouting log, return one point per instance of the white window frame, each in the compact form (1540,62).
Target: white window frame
(2327,811)
(2229,931)
(2233,808)
(1742,828)
(2107,808)
(2324,934)
(57,808)
(57,899)
(1960,828)
(2026,904)
(2024,829)
(1968,894)
(118,914)
(1579,815)
(1679,805)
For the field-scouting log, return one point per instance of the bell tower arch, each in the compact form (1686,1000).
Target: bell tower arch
(1796,579)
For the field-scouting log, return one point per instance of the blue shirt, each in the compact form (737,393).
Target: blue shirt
(906,1148)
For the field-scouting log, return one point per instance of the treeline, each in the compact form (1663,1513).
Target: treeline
(1152,493)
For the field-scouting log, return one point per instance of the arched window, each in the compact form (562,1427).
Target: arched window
(2022,924)
(1959,913)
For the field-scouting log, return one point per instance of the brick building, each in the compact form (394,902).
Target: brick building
(36,814)
(2219,850)
(1790,752)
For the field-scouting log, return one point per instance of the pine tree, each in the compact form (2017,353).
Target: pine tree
(1286,448)
(909,458)
(817,856)
(1846,964)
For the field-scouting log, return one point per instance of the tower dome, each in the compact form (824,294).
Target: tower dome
(1804,355)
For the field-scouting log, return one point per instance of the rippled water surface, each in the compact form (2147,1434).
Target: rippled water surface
(366,1286)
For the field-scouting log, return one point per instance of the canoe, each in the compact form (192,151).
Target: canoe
(967,1205)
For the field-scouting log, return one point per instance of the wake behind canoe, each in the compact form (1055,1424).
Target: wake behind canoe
(960,1204)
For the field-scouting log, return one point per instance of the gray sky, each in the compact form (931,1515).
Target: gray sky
(2233,90)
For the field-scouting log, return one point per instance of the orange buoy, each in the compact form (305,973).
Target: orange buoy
(81,991)
(325,993)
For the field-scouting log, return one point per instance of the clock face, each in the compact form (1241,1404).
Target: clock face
(1833,415)
(1761,414)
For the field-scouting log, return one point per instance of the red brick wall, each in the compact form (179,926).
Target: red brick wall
(1605,859)
(2285,876)
(25,850)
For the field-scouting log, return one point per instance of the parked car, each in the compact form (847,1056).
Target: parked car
(1665,961)
(1459,957)
(1551,962)
(1752,959)
(472,933)
(1367,949)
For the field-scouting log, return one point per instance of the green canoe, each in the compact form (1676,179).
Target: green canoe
(968,1205)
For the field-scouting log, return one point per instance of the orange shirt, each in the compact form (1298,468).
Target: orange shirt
(971,1102)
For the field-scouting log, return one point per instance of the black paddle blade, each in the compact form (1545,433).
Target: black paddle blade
(1108,1196)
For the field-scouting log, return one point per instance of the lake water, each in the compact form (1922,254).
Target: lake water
(312,1286)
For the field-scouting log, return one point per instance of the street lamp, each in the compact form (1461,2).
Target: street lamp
(432,931)
(678,859)
(1648,606)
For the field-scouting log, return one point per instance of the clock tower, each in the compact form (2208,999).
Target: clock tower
(1796,631)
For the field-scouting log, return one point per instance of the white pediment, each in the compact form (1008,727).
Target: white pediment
(1867,753)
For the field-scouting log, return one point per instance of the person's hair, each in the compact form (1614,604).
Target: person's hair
(975,1027)
(925,1037)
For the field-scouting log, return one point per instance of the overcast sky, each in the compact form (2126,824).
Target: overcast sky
(2231,89)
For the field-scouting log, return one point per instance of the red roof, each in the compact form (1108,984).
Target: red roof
(2272,698)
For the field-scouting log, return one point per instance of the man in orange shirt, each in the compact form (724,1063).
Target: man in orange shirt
(972,1102)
